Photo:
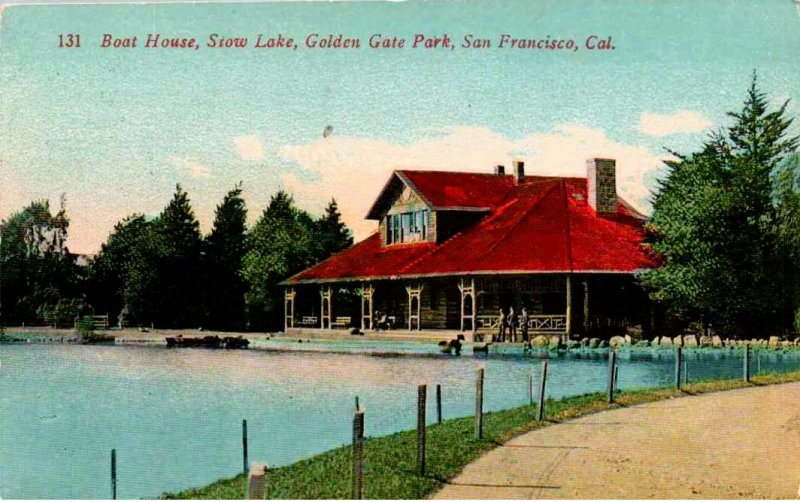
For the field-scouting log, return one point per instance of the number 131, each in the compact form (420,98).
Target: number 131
(69,40)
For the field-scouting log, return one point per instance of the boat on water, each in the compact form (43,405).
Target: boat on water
(208,342)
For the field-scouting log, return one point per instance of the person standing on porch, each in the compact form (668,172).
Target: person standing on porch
(501,327)
(512,325)
(523,325)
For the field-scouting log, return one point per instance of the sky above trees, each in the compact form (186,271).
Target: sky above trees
(115,131)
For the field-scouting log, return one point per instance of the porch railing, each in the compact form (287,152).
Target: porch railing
(536,323)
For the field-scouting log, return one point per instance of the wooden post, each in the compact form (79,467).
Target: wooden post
(438,403)
(358,445)
(678,366)
(585,307)
(542,384)
(363,309)
(616,377)
(530,388)
(746,369)
(113,474)
(461,289)
(612,364)
(685,372)
(357,406)
(569,306)
(474,298)
(245,463)
(422,398)
(479,405)
(257,482)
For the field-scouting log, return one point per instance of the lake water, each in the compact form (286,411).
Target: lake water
(174,416)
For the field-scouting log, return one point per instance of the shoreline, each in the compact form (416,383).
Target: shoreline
(391,460)
(328,342)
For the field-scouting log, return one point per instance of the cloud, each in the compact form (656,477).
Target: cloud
(680,122)
(353,170)
(249,147)
(195,169)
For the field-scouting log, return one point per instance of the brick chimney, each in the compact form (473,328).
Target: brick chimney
(500,170)
(601,183)
(519,172)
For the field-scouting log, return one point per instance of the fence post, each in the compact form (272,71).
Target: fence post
(746,369)
(422,397)
(257,482)
(438,403)
(479,405)
(245,463)
(678,366)
(612,364)
(530,388)
(357,405)
(113,474)
(358,445)
(616,378)
(686,372)
(542,383)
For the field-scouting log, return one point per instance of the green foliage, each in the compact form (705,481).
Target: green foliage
(224,287)
(108,270)
(36,267)
(85,326)
(720,225)
(163,276)
(333,234)
(390,470)
(281,243)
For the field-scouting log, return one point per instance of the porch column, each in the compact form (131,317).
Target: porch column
(468,290)
(366,306)
(569,305)
(474,306)
(288,309)
(326,297)
(461,289)
(585,306)
(414,292)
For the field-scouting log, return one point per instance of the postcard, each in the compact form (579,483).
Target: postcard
(400,250)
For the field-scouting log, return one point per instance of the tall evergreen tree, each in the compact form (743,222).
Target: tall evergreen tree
(281,243)
(163,281)
(334,236)
(109,268)
(224,251)
(715,224)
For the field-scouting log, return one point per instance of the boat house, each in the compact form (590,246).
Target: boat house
(454,248)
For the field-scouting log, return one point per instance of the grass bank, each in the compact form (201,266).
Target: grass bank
(390,461)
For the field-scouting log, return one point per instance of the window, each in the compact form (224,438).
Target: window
(411,226)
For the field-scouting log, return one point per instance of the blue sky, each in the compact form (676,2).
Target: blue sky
(115,130)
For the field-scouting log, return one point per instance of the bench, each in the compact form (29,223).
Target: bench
(309,320)
(341,322)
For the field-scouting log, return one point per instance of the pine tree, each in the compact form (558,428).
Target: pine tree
(225,248)
(334,236)
(108,269)
(715,224)
(163,281)
(281,244)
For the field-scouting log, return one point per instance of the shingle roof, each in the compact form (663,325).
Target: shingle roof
(541,225)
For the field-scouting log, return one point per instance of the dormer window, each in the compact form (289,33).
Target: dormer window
(410,226)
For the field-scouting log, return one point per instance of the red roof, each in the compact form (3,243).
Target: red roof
(544,224)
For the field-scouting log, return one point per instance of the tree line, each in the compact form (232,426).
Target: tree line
(725,226)
(725,229)
(162,270)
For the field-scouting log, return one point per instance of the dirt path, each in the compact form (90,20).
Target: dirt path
(738,444)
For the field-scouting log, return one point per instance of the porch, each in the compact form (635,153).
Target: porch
(556,304)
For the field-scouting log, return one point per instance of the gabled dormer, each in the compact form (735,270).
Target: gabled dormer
(443,205)
(403,213)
